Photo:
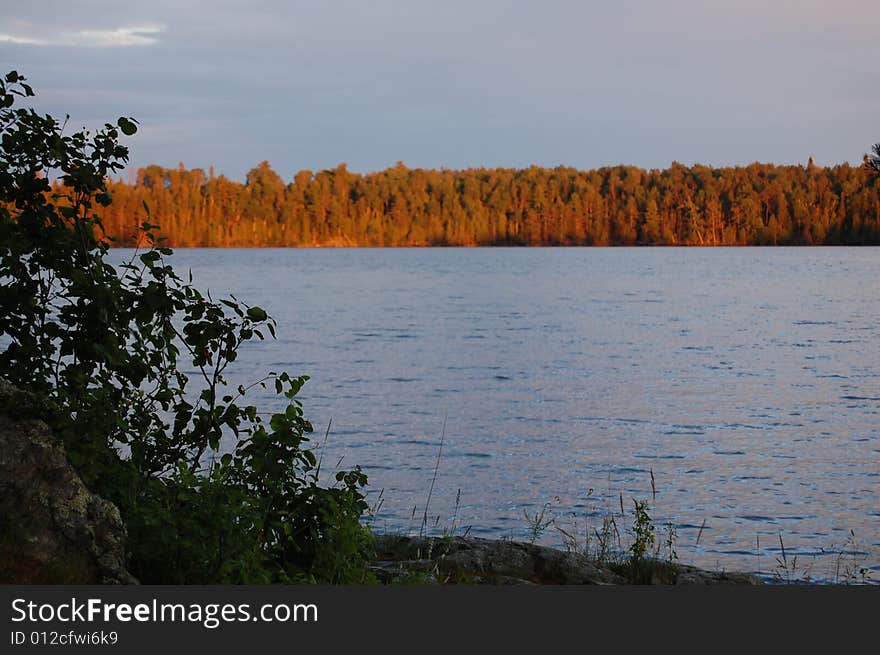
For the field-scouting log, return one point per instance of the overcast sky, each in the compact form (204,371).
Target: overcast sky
(459,83)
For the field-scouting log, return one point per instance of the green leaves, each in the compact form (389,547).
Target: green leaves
(13,85)
(149,257)
(643,531)
(127,125)
(209,490)
(257,314)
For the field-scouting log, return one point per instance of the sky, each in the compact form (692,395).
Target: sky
(459,83)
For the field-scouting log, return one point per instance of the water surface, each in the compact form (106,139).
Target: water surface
(747,380)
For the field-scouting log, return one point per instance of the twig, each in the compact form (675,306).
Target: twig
(434,479)
(323,447)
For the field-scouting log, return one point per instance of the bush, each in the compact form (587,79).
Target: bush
(211,490)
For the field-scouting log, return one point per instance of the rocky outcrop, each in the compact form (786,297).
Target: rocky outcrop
(487,561)
(53,530)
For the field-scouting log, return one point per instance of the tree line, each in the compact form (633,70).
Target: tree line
(759,204)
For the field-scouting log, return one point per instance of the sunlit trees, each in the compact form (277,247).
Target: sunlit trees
(761,204)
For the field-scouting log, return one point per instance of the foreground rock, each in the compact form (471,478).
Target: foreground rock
(53,530)
(460,560)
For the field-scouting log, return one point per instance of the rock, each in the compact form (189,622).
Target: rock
(53,530)
(486,561)
(689,575)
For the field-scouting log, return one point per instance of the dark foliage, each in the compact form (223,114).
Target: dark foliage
(211,489)
(873,160)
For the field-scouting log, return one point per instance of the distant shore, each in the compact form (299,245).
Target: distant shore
(334,246)
(759,204)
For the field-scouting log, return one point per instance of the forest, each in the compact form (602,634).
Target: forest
(759,204)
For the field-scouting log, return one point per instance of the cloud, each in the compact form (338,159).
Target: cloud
(117,38)
(21,40)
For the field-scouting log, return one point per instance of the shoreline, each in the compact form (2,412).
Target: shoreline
(442,560)
(507,246)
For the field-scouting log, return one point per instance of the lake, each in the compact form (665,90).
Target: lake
(745,380)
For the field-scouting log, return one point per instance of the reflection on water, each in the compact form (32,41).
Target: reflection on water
(747,380)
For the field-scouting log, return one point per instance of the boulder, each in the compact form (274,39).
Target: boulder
(486,561)
(53,530)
